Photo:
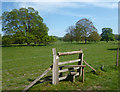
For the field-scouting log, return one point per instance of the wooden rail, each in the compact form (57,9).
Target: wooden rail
(89,66)
(37,79)
(67,62)
(69,53)
(62,78)
(65,70)
(73,66)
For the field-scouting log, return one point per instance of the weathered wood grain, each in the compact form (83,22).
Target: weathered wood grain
(65,70)
(73,66)
(67,62)
(89,66)
(55,74)
(69,53)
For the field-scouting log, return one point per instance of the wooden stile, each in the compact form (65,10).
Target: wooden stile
(56,65)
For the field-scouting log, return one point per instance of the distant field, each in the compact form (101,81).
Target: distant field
(22,64)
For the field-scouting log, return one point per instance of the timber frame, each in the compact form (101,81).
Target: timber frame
(57,66)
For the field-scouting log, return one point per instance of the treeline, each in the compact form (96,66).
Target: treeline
(24,26)
(84,30)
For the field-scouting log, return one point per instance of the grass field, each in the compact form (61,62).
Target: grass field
(22,64)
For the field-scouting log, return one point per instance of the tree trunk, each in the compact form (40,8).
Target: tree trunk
(85,40)
(28,44)
(35,43)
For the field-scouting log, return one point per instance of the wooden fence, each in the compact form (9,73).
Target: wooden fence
(57,68)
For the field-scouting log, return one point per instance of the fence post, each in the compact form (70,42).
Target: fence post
(117,57)
(80,62)
(55,74)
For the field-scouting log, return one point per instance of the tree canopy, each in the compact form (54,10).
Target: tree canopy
(81,31)
(85,27)
(94,36)
(107,34)
(22,20)
(26,22)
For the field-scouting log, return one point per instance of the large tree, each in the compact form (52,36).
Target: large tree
(94,36)
(107,34)
(21,20)
(85,27)
(26,21)
(70,31)
(66,37)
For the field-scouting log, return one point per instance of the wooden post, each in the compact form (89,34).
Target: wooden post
(117,57)
(82,74)
(55,74)
(80,63)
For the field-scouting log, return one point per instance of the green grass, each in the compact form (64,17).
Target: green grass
(22,64)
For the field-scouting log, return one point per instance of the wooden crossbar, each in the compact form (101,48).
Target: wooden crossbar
(73,66)
(89,66)
(65,70)
(37,79)
(66,62)
(62,78)
(69,53)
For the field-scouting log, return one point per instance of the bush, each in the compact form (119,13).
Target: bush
(7,40)
(19,37)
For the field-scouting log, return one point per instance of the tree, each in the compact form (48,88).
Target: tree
(94,36)
(7,40)
(26,21)
(116,36)
(19,37)
(107,34)
(29,38)
(85,27)
(70,30)
(20,20)
(77,34)
(66,38)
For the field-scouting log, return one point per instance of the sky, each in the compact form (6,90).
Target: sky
(58,16)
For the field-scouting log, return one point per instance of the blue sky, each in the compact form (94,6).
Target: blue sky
(58,16)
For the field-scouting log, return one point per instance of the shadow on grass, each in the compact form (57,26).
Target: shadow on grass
(82,43)
(49,79)
(113,49)
(16,45)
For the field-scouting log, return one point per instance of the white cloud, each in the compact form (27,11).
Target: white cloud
(53,7)
(60,0)
(105,4)
(49,6)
